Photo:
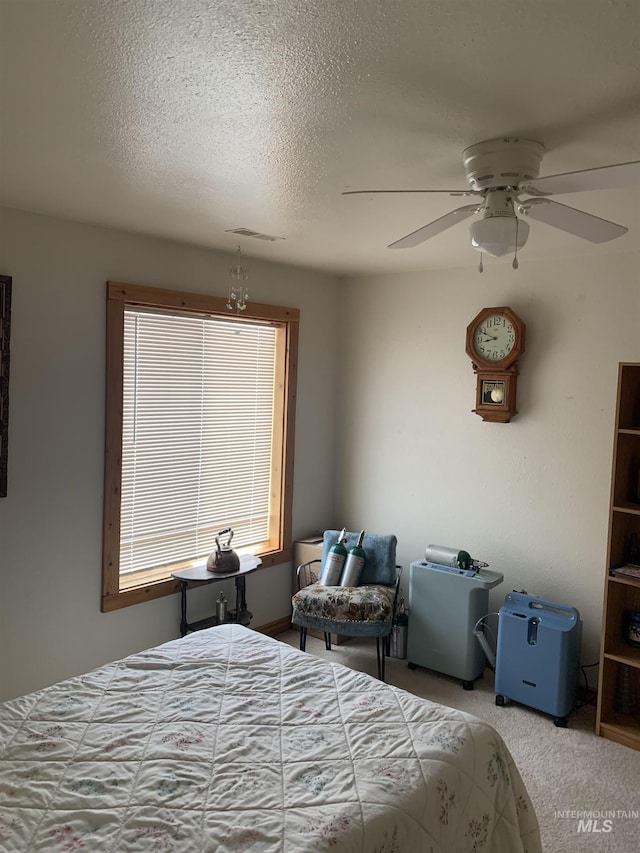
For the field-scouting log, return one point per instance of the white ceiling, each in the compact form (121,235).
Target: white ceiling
(183,118)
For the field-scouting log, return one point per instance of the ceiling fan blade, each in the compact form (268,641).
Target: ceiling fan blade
(618,176)
(435,227)
(378,192)
(576,222)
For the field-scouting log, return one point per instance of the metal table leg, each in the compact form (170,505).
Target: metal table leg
(243,616)
(184,625)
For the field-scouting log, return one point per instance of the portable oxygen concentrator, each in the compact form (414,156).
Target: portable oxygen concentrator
(538,655)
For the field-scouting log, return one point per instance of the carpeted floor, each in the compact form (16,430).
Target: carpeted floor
(585,789)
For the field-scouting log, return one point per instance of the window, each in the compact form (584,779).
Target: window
(199,435)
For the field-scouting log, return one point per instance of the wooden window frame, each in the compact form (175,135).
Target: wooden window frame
(158,583)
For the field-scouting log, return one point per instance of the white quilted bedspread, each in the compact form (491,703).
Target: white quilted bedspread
(227,740)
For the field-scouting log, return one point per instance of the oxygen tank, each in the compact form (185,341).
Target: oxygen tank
(399,632)
(221,609)
(354,564)
(332,570)
(452,557)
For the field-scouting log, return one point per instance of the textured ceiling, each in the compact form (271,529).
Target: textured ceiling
(183,118)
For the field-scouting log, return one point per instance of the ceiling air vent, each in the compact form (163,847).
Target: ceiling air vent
(248,232)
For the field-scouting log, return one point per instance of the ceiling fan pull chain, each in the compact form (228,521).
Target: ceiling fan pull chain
(515,251)
(480,267)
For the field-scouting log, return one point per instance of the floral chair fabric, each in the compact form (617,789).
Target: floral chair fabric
(361,611)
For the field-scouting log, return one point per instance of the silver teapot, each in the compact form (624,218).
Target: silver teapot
(224,559)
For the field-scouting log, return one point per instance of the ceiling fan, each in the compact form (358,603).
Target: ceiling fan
(500,173)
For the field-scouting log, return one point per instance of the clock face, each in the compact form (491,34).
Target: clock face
(494,338)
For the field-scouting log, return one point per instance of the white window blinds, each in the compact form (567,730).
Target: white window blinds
(197,435)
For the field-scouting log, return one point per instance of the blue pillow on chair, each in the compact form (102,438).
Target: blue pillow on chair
(380,555)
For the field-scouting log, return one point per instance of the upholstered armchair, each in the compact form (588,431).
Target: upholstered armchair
(366,610)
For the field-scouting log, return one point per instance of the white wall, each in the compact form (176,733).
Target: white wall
(51,521)
(530,497)
(388,393)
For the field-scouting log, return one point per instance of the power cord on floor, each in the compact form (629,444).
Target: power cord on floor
(588,697)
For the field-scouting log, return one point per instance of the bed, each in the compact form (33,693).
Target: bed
(227,740)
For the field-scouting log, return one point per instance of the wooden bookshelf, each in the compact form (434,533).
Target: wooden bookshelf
(618,713)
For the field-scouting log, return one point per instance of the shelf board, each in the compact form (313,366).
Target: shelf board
(209,622)
(625,580)
(622,729)
(631,509)
(624,654)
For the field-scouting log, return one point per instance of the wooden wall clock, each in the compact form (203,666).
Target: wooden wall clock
(495,342)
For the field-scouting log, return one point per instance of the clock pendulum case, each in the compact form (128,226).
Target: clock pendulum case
(495,342)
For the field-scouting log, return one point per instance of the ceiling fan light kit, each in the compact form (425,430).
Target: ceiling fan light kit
(499,172)
(499,232)
(499,236)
